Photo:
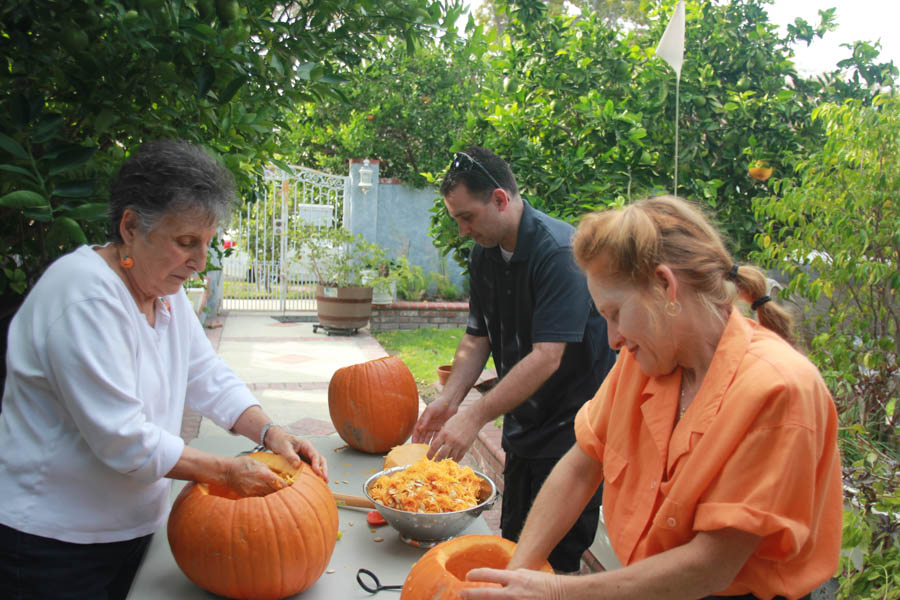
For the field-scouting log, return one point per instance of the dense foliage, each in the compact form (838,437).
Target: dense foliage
(86,81)
(404,109)
(834,234)
(585,113)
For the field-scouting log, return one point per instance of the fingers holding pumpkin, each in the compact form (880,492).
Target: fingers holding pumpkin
(520,584)
(309,453)
(251,478)
(297,451)
(281,442)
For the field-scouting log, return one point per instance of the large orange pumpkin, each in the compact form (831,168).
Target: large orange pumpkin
(374,404)
(441,572)
(263,548)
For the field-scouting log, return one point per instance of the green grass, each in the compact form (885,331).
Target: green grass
(423,350)
(244,289)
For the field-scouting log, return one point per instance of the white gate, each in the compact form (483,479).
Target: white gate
(264,271)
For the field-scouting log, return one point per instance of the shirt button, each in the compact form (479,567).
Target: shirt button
(671,522)
(508,292)
(652,485)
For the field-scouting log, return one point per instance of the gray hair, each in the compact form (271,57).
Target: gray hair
(169,177)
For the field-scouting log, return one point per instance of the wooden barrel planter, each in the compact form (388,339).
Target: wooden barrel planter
(343,307)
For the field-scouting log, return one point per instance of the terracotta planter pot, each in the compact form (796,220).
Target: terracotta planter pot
(443,372)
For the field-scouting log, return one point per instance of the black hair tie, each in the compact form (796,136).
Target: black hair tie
(759,302)
(732,274)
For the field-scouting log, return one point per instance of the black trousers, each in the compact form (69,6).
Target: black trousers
(38,568)
(522,479)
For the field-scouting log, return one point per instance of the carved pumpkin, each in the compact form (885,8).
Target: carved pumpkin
(263,548)
(406,454)
(374,404)
(441,572)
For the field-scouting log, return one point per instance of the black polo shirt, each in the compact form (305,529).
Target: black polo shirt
(539,296)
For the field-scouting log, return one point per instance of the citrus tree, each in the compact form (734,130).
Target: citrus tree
(834,233)
(86,81)
(585,113)
(405,109)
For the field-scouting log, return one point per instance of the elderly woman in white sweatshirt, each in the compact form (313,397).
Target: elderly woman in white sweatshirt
(104,356)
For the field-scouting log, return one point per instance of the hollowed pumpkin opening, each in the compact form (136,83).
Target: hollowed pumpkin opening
(275,462)
(476,557)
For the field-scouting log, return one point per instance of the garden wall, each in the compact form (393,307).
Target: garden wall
(397,217)
(418,315)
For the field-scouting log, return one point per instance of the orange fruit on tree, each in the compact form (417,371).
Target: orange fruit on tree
(760,170)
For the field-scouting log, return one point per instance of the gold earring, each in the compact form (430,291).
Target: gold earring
(673,308)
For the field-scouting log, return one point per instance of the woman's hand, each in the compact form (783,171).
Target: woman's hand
(521,584)
(250,477)
(292,448)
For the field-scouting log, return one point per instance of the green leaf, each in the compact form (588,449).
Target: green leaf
(19,170)
(231,89)
(89,212)
(21,199)
(205,78)
(75,189)
(276,64)
(282,165)
(13,147)
(47,129)
(205,30)
(69,159)
(104,119)
(306,69)
(65,230)
(17,280)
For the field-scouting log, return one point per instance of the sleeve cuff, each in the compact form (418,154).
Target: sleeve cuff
(782,538)
(584,435)
(162,460)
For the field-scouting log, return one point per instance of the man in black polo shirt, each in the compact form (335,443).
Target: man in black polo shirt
(530,308)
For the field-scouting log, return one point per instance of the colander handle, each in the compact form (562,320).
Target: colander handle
(349,500)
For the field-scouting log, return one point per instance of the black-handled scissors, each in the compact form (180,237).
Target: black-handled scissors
(378,587)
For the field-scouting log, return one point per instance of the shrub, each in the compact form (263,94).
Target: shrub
(835,235)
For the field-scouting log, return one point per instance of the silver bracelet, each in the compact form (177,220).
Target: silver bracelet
(262,435)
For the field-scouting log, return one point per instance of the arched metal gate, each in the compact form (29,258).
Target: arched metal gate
(264,271)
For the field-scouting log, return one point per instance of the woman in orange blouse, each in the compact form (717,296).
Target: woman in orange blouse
(716,439)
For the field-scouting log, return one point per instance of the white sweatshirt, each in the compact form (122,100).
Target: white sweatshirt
(93,403)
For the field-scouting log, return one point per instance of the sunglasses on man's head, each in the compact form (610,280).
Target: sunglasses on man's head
(463,162)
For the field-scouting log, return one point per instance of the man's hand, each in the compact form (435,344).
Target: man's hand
(432,420)
(456,436)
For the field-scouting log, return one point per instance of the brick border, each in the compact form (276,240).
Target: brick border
(418,315)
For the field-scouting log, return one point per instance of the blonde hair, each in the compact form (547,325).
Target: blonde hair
(628,244)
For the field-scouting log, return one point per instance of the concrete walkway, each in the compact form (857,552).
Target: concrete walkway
(286,365)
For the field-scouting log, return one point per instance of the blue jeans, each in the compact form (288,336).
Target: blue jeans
(38,568)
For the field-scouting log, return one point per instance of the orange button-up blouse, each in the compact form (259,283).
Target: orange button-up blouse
(756,451)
